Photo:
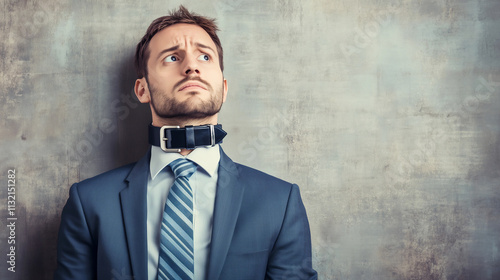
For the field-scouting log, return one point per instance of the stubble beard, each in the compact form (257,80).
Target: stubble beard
(170,108)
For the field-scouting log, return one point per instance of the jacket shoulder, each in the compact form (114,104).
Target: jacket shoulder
(114,177)
(263,184)
(253,179)
(258,175)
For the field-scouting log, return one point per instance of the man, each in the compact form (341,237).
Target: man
(185,210)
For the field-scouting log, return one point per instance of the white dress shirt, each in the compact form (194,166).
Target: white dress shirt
(203,183)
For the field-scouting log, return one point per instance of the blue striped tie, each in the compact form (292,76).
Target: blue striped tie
(176,242)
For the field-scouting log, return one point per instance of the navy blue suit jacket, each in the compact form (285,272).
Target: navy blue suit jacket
(260,227)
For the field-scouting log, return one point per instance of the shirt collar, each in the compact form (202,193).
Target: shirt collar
(206,157)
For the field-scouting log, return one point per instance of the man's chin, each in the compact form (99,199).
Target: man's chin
(192,108)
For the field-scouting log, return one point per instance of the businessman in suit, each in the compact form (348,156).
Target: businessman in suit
(240,223)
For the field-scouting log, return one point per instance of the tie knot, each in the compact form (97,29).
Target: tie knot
(183,167)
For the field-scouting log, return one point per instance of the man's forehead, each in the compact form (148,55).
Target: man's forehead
(181,33)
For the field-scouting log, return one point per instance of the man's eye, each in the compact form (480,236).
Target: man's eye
(204,57)
(171,58)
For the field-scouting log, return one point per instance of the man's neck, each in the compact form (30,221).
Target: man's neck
(159,122)
(185,152)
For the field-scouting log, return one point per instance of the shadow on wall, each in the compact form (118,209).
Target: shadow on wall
(133,117)
(35,247)
(119,135)
(126,132)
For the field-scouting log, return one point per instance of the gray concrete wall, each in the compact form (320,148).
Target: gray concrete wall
(385,113)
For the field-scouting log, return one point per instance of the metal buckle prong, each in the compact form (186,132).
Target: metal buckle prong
(212,135)
(164,139)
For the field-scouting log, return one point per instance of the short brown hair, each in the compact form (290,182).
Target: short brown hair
(182,15)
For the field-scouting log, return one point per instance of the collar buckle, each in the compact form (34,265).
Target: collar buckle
(164,139)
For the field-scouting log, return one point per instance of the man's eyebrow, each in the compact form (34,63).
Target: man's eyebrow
(200,45)
(168,50)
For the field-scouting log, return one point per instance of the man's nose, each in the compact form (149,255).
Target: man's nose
(191,66)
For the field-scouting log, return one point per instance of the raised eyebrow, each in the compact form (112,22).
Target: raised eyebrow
(176,47)
(200,45)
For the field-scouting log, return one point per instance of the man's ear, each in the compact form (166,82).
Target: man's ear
(224,94)
(142,91)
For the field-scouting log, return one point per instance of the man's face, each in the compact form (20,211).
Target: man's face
(184,77)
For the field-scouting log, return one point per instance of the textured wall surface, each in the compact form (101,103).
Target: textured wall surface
(385,113)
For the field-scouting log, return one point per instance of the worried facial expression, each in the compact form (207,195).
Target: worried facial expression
(184,77)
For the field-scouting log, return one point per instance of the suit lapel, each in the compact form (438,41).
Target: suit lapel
(227,205)
(133,202)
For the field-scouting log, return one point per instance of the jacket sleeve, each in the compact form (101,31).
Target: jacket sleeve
(290,257)
(76,257)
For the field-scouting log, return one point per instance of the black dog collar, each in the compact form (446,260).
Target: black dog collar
(172,139)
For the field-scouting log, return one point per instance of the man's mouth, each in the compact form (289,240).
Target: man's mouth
(192,85)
